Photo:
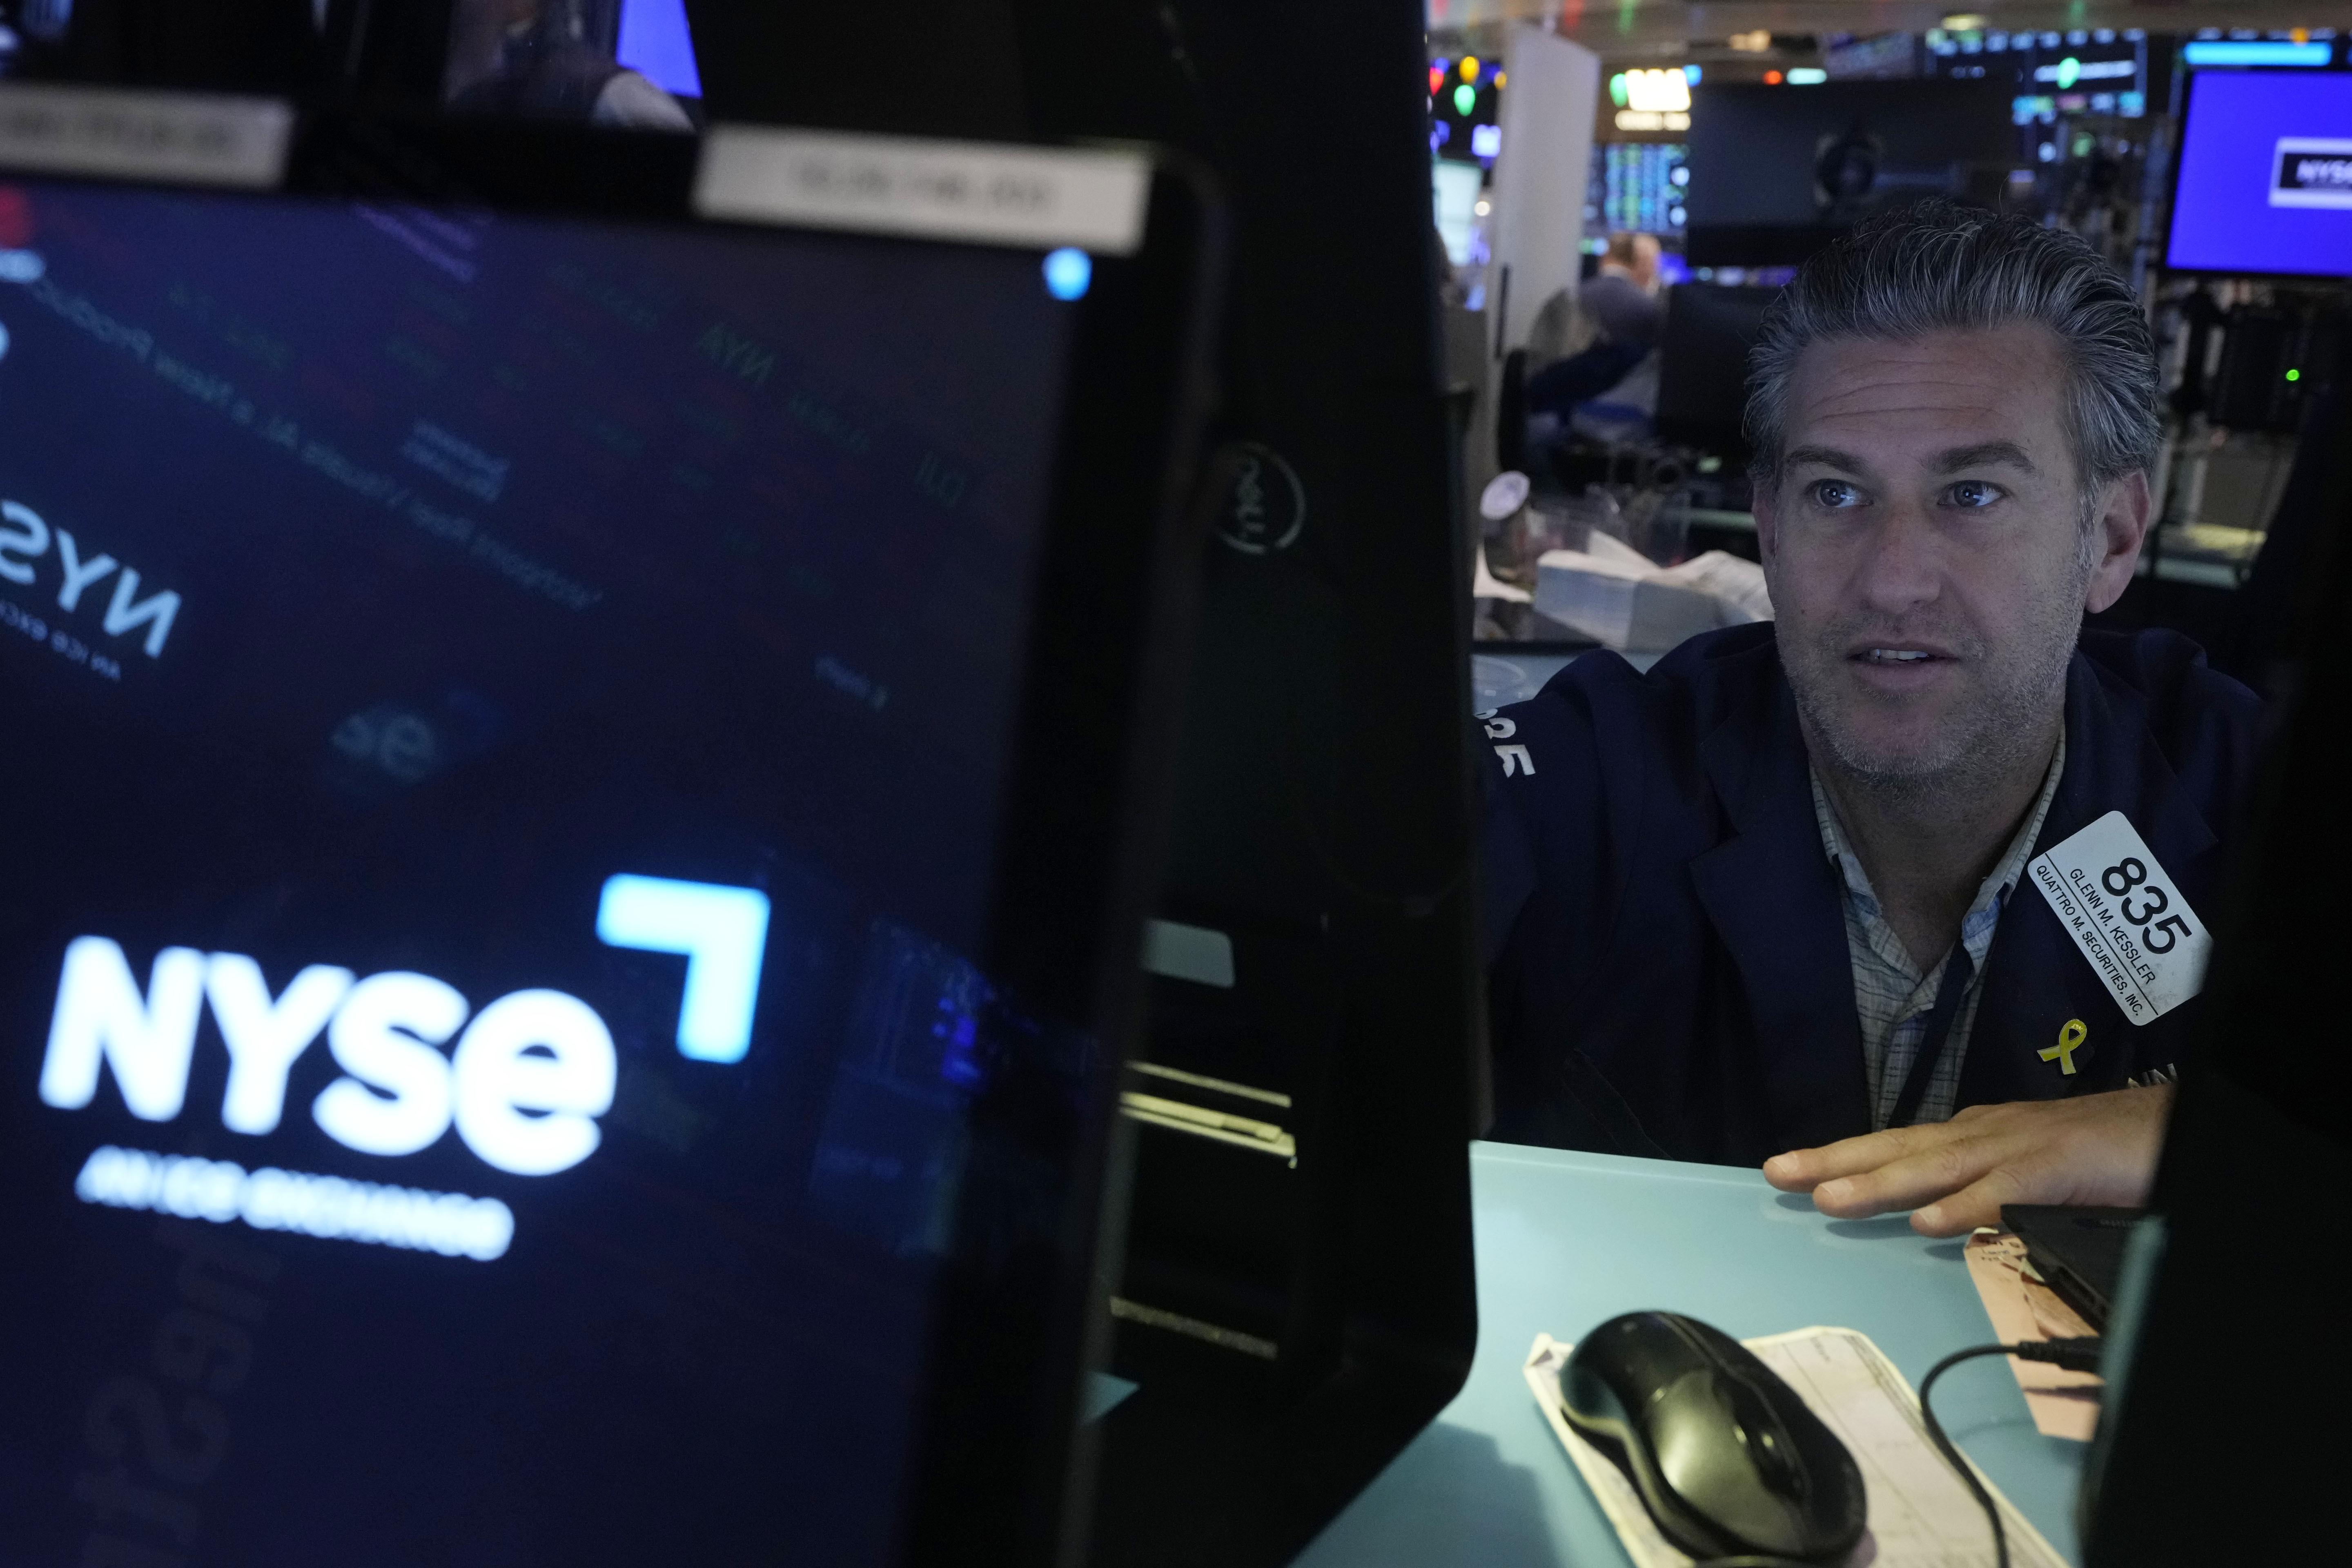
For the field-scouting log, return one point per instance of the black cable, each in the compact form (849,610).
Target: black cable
(2078,1355)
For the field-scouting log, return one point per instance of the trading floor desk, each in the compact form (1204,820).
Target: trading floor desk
(1566,1241)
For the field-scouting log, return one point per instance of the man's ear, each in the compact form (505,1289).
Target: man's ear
(1766,505)
(2117,535)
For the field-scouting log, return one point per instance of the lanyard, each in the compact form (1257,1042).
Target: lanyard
(1959,969)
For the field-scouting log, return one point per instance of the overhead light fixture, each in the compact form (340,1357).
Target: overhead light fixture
(1964,22)
(1651,119)
(1759,42)
(1660,91)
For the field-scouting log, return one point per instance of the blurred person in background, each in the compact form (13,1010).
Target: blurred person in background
(551,59)
(1620,302)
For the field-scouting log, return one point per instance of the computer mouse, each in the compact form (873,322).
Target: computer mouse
(1727,1457)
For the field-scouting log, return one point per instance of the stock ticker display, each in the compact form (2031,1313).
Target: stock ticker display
(507,722)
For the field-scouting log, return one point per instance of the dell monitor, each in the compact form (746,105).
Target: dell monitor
(2265,184)
(1295,1297)
(580,783)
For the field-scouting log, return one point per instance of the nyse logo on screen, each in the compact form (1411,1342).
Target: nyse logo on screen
(523,1080)
(528,1077)
(2311,171)
(26,539)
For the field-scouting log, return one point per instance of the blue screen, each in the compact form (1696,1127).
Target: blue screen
(508,723)
(2265,174)
(654,39)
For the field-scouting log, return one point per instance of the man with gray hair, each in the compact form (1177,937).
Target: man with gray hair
(1773,898)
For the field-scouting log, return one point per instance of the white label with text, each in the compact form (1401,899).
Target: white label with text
(2127,913)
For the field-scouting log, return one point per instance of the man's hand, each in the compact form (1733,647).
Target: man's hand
(1954,1176)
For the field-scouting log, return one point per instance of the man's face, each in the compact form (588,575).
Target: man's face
(1924,549)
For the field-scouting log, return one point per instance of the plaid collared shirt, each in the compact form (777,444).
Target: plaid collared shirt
(1891,994)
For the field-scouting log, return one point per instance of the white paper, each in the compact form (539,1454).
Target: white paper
(1738,583)
(1921,1515)
(2127,914)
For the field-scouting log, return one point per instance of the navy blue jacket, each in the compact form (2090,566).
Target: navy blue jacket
(1667,964)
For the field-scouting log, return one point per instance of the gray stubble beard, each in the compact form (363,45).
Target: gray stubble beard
(2001,732)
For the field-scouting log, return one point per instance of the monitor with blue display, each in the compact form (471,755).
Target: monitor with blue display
(576,848)
(2265,174)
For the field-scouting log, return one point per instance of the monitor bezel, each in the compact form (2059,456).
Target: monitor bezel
(2172,187)
(996,1467)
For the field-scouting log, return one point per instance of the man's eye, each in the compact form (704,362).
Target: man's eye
(1835,493)
(1973,494)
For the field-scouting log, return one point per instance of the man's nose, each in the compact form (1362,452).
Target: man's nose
(1901,564)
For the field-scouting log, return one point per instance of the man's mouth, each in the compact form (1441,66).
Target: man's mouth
(1897,655)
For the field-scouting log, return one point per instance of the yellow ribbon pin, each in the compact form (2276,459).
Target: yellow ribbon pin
(2063,1053)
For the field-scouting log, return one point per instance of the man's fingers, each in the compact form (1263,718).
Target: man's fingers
(1977,1204)
(1802,1170)
(1947,1165)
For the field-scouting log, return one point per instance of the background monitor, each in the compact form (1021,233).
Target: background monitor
(1642,187)
(1775,172)
(2265,174)
(654,39)
(1703,364)
(559,1012)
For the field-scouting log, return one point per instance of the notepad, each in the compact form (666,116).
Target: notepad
(1921,1515)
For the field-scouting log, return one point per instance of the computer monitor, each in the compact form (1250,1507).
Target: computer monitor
(1703,364)
(592,760)
(2226,1372)
(1642,187)
(1297,1297)
(1777,173)
(2265,180)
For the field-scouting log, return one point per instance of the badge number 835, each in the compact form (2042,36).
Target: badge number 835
(2141,908)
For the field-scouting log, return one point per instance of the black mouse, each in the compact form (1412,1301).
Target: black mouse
(1727,1458)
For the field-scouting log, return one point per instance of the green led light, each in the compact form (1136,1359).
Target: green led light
(2294,376)
(2070,71)
(1466,97)
(1617,90)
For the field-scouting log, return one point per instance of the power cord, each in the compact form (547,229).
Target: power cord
(2075,1355)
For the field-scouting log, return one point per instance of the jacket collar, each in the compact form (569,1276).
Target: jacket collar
(2113,762)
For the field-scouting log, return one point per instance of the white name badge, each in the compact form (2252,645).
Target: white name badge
(2127,914)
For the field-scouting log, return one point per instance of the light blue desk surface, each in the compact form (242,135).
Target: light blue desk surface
(1566,1241)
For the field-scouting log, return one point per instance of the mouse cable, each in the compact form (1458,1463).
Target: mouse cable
(2075,1355)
